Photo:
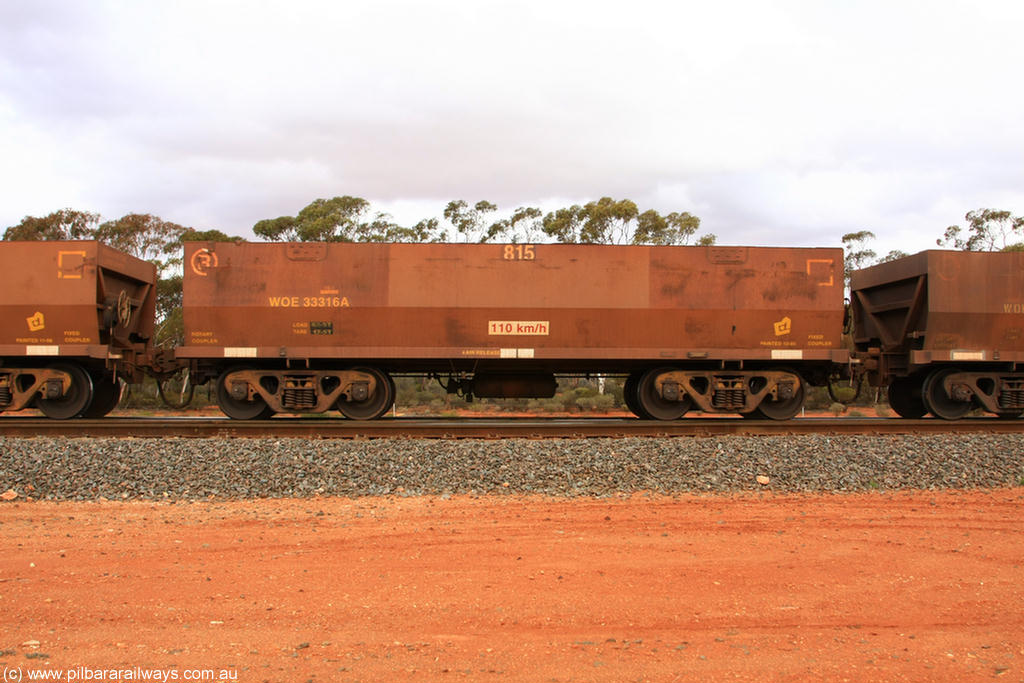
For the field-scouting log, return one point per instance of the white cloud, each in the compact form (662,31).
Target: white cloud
(780,123)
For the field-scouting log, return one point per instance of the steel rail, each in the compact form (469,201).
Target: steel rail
(483,428)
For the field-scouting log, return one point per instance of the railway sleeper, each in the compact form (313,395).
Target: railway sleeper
(20,387)
(313,391)
(729,392)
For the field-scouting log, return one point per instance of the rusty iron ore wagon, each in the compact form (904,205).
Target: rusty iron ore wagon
(944,331)
(74,316)
(310,327)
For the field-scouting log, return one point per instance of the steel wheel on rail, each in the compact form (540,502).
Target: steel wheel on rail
(651,402)
(938,402)
(394,392)
(786,408)
(106,394)
(75,400)
(240,409)
(377,403)
(631,398)
(904,394)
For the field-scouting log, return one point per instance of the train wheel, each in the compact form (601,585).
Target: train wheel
(1009,414)
(376,404)
(630,397)
(783,409)
(75,401)
(938,403)
(394,392)
(652,404)
(106,394)
(240,409)
(904,394)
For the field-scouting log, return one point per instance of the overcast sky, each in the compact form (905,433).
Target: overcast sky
(777,123)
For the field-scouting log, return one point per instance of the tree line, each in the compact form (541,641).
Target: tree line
(986,230)
(604,221)
(352,219)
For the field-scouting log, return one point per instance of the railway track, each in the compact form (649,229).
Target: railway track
(483,428)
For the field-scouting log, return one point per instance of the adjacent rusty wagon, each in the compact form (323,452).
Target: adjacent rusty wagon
(317,326)
(74,318)
(944,331)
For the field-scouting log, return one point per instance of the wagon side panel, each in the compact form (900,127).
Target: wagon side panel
(558,302)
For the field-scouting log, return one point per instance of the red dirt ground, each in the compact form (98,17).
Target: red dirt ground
(876,587)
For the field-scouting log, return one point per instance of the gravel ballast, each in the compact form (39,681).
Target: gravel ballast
(182,469)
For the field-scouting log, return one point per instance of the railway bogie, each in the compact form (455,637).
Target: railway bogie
(245,392)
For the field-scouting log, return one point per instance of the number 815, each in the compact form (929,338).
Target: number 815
(519,252)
